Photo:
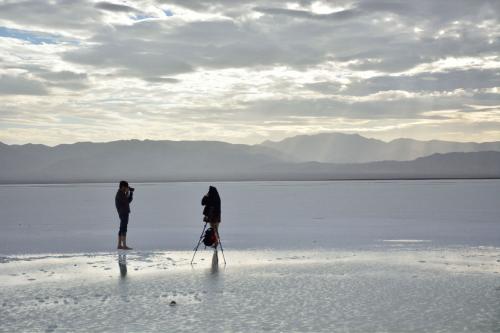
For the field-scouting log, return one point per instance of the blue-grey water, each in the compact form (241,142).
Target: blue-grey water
(273,215)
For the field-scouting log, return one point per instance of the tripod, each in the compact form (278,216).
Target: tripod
(218,244)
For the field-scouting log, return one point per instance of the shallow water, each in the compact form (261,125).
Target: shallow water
(273,215)
(395,290)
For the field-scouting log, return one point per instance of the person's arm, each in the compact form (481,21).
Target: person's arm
(130,196)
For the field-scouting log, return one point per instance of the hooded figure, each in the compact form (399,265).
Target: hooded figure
(212,211)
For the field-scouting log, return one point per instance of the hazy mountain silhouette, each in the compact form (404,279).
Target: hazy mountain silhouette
(208,160)
(449,165)
(354,148)
(138,160)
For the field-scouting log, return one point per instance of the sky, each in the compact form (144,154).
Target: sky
(247,71)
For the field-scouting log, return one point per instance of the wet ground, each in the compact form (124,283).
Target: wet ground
(398,288)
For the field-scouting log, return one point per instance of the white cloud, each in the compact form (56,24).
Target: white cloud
(244,71)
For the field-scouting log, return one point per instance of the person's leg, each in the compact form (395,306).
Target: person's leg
(123,231)
(215,226)
(120,246)
(124,237)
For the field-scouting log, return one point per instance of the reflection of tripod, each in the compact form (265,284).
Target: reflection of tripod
(219,243)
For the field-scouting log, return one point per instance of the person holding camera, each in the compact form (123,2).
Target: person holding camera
(123,198)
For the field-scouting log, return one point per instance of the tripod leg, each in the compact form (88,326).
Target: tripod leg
(221,248)
(199,241)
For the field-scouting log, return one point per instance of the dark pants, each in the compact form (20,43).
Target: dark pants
(123,225)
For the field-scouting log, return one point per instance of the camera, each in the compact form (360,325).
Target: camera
(131,189)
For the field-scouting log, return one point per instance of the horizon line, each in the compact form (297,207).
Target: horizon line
(244,144)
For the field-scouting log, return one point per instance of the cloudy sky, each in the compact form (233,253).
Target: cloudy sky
(245,71)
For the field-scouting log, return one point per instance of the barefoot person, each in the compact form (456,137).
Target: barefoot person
(212,211)
(123,198)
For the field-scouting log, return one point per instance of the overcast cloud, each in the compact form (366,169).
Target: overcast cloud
(247,71)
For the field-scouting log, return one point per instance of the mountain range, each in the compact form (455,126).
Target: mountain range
(354,148)
(316,157)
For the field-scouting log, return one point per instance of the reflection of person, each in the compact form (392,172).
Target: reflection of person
(122,263)
(212,210)
(215,263)
(123,198)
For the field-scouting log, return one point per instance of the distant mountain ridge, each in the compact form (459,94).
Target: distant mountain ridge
(134,159)
(438,166)
(212,160)
(354,148)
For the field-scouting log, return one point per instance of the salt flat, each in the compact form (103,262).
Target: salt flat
(394,289)
(255,215)
(400,256)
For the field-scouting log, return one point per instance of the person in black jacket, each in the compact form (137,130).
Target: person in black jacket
(212,210)
(123,198)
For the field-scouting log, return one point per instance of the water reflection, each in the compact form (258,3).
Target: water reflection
(214,269)
(123,285)
(122,263)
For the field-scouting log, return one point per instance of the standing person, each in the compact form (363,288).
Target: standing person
(212,211)
(123,198)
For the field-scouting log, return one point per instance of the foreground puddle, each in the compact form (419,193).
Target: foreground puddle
(402,289)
